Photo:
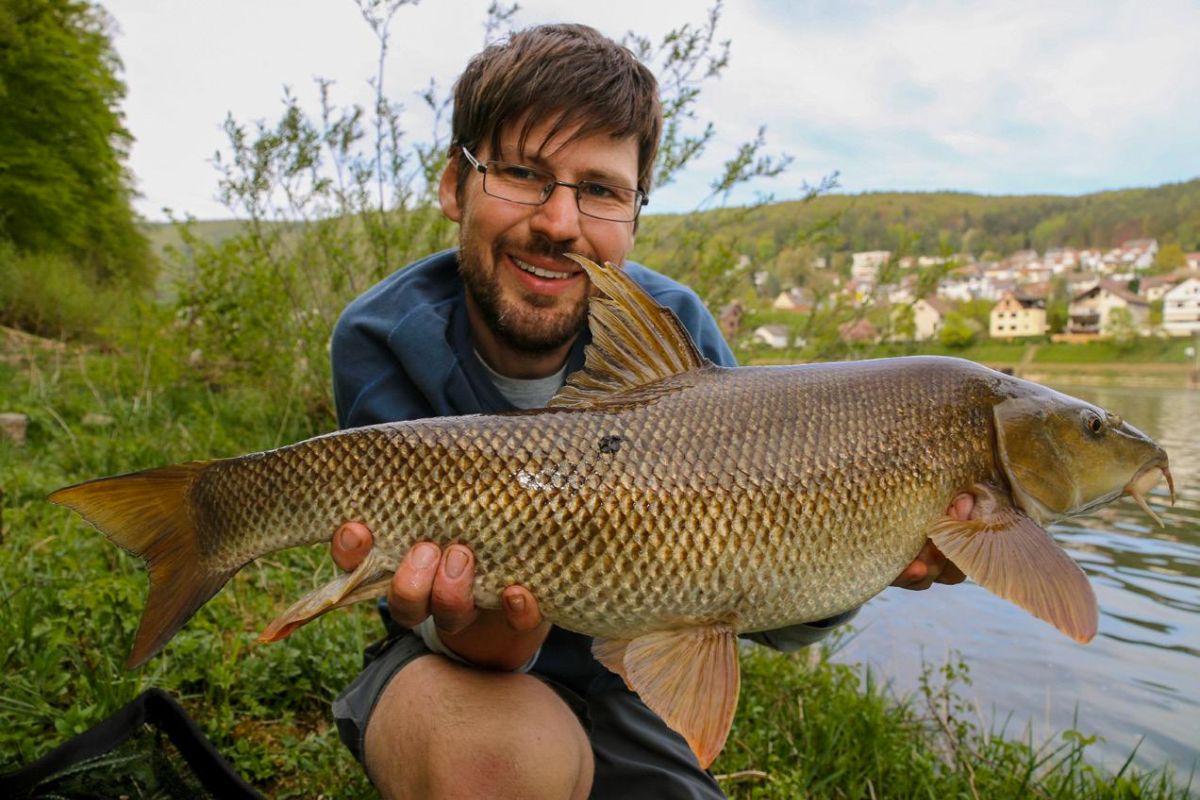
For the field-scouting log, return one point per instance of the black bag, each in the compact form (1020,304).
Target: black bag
(121,756)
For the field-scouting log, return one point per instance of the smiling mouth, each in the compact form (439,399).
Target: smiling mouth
(549,274)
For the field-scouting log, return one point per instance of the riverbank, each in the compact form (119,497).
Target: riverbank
(1157,376)
(1157,363)
(806,726)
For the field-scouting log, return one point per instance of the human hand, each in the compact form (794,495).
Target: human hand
(931,566)
(430,581)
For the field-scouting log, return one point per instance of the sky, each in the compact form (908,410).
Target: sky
(1013,97)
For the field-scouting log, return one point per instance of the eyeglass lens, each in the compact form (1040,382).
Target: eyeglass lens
(521,184)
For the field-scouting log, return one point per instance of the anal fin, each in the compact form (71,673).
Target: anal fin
(370,579)
(689,677)
(1010,555)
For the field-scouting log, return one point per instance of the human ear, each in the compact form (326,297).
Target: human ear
(448,190)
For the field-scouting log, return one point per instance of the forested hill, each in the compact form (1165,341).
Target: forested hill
(932,223)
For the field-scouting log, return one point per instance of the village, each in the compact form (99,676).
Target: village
(1120,292)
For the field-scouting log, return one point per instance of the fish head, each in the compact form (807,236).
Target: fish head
(1064,456)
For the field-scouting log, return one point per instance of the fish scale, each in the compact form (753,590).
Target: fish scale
(662,507)
(693,517)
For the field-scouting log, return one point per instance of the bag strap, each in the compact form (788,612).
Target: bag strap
(152,707)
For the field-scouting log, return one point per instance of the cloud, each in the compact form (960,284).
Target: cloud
(979,96)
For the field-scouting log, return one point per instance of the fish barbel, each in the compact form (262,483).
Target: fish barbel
(664,505)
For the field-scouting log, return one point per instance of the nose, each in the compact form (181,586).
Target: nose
(558,217)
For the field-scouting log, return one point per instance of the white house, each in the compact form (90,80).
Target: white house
(1016,316)
(1181,308)
(776,336)
(864,266)
(1089,312)
(928,316)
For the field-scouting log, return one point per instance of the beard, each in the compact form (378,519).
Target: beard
(534,323)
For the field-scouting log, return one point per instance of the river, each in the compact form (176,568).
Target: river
(1137,684)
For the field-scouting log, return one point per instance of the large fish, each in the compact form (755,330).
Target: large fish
(664,505)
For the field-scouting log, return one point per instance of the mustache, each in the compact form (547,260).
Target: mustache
(537,245)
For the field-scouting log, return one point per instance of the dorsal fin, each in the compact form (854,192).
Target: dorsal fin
(635,341)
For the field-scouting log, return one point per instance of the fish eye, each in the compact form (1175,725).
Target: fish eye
(1093,422)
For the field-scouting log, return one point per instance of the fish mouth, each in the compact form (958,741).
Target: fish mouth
(1145,480)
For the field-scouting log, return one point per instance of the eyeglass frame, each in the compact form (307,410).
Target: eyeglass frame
(548,191)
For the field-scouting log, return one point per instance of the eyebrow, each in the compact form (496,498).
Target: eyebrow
(596,175)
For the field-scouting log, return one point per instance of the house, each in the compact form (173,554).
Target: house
(965,283)
(776,336)
(1001,272)
(903,293)
(1090,311)
(1035,291)
(928,315)
(1154,288)
(1035,272)
(730,319)
(1091,260)
(1181,309)
(1080,282)
(792,300)
(858,332)
(1139,253)
(1192,261)
(864,266)
(1017,315)
(1061,259)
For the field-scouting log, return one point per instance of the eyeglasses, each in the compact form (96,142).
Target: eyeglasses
(518,183)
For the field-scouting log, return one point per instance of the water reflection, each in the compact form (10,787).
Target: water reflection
(1139,680)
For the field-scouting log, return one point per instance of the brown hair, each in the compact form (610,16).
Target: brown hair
(572,74)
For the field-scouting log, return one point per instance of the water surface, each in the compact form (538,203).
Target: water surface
(1138,681)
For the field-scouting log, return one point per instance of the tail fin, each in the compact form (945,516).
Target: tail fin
(148,514)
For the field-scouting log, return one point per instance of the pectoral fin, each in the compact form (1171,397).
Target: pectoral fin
(688,677)
(1012,556)
(370,579)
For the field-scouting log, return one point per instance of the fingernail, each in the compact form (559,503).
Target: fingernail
(516,603)
(456,563)
(424,555)
(348,541)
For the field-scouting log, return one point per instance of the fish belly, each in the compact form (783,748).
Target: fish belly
(754,497)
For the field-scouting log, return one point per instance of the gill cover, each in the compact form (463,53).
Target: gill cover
(1032,459)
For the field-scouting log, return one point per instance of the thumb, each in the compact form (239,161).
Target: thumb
(350,545)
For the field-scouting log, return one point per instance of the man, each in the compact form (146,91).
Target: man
(554,137)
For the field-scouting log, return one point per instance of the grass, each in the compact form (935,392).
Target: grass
(1140,351)
(69,605)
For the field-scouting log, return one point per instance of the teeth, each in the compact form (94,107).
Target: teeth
(541,273)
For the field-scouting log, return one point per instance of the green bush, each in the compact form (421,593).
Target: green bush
(49,295)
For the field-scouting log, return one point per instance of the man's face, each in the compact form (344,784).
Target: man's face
(532,298)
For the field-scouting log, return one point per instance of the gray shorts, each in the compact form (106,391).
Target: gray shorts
(635,754)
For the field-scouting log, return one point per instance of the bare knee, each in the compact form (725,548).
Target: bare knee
(441,730)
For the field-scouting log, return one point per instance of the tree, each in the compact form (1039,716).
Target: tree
(1170,257)
(1057,315)
(64,187)
(1121,328)
(957,330)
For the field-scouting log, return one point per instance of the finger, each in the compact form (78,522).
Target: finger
(453,604)
(951,574)
(350,544)
(408,595)
(961,506)
(913,574)
(520,608)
